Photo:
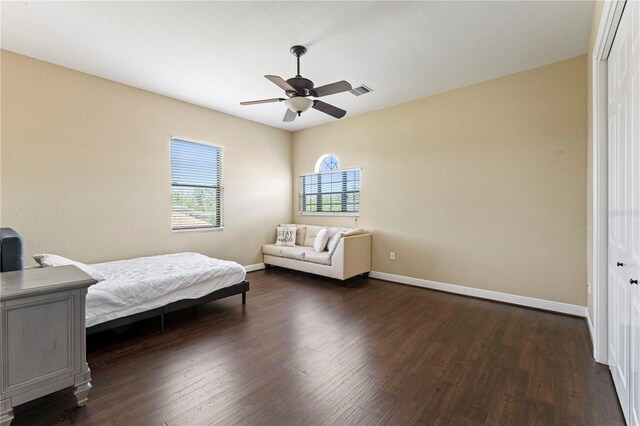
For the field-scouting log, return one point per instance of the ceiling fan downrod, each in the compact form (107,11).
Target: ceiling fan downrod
(298,51)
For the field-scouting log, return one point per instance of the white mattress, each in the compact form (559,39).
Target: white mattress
(145,283)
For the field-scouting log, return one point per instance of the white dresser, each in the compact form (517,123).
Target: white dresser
(43,335)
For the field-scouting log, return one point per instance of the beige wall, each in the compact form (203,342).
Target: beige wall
(492,176)
(86,168)
(483,186)
(595,23)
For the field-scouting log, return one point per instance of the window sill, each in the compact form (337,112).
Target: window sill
(189,231)
(343,214)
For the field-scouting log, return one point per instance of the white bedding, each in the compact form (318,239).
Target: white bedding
(145,283)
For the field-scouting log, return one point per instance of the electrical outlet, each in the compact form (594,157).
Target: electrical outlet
(588,287)
(392,255)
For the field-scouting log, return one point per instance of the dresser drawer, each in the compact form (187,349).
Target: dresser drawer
(39,340)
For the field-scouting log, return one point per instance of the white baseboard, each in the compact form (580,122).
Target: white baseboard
(547,305)
(255,267)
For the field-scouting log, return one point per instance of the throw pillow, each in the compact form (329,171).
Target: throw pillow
(320,242)
(335,240)
(354,231)
(301,230)
(334,230)
(286,236)
(48,260)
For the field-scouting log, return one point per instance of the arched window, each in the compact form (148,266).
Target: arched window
(330,190)
(327,162)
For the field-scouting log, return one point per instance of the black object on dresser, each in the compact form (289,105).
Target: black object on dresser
(11,258)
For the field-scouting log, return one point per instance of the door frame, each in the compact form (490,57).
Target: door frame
(611,14)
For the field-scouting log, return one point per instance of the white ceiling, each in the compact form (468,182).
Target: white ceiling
(215,54)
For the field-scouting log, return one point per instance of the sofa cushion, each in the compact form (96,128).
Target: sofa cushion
(312,232)
(300,234)
(296,253)
(301,230)
(323,258)
(272,250)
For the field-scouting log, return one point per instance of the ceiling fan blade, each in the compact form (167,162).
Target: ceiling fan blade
(289,116)
(278,81)
(262,101)
(330,89)
(329,109)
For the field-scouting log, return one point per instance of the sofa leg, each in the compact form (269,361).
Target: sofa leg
(244,297)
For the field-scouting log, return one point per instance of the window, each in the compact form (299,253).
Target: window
(330,191)
(196,186)
(326,162)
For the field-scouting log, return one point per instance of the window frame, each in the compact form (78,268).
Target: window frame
(301,193)
(321,161)
(220,187)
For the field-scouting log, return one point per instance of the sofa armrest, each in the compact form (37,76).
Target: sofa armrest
(352,256)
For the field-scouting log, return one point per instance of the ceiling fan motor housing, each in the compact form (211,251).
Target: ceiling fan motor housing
(303,86)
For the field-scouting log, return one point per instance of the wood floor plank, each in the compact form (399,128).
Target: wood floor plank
(305,350)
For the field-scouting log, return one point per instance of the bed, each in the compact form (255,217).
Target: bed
(131,290)
(140,288)
(147,287)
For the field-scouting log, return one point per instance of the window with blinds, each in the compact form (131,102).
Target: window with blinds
(330,193)
(196,186)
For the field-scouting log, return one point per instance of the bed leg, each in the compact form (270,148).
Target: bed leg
(244,297)
(162,321)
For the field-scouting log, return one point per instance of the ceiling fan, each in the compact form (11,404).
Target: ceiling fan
(298,90)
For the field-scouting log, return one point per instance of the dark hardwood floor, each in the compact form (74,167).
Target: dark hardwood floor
(306,351)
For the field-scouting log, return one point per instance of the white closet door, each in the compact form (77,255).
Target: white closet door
(618,235)
(633,188)
(624,212)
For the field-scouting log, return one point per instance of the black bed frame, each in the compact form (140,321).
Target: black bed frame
(240,288)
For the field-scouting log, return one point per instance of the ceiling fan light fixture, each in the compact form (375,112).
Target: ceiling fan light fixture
(298,104)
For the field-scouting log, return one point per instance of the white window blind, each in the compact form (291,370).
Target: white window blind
(331,193)
(196,186)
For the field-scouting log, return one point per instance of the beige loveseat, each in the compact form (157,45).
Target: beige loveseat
(348,256)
